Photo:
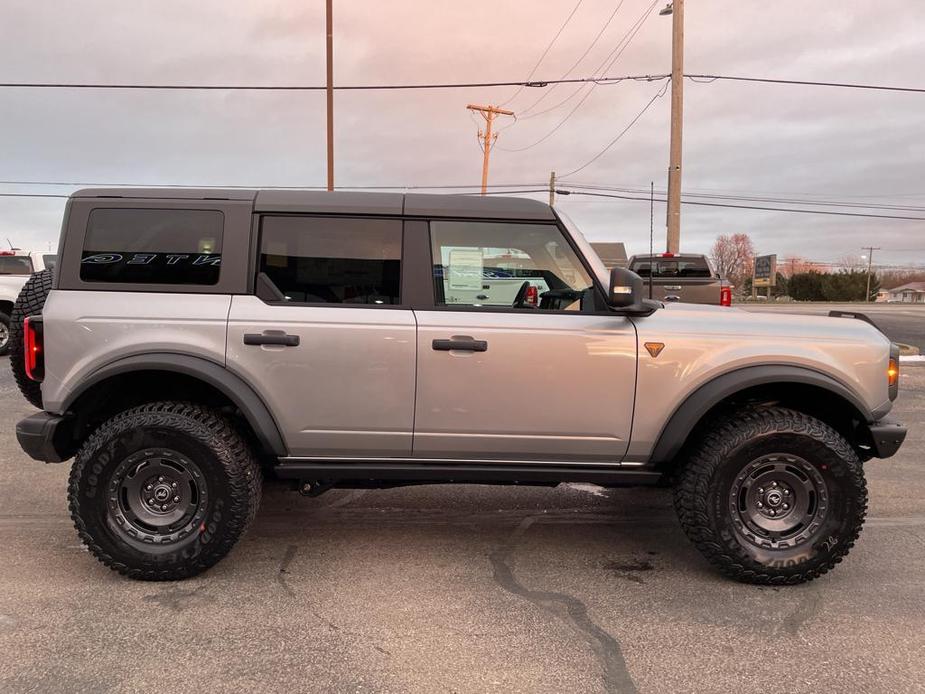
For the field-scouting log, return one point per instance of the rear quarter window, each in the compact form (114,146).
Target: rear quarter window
(151,246)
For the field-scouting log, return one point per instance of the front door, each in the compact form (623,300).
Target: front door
(514,360)
(328,344)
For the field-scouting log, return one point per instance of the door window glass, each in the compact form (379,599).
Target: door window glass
(523,266)
(333,260)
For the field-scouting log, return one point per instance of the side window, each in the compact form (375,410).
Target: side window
(151,246)
(329,260)
(504,264)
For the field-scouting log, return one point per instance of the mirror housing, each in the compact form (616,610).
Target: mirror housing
(626,293)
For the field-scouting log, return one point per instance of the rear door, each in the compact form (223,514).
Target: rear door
(326,339)
(536,373)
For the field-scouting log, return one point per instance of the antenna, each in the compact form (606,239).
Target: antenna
(651,232)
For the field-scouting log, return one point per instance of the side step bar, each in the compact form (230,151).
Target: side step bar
(454,471)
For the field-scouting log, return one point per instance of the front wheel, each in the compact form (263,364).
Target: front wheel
(772,496)
(163,491)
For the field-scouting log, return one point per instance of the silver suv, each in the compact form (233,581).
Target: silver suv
(191,342)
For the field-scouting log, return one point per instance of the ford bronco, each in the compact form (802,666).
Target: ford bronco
(190,342)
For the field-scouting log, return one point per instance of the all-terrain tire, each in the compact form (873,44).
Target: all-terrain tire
(30,302)
(163,445)
(725,491)
(4,334)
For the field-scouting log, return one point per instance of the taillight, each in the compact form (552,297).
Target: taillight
(34,338)
(725,296)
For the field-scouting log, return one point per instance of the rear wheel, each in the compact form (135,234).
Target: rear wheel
(772,496)
(163,491)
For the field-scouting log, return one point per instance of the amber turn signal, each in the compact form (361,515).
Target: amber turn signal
(892,372)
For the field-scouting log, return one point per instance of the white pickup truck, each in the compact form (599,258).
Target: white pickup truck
(15,269)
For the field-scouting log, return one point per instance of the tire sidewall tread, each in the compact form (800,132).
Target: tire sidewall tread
(225,459)
(700,490)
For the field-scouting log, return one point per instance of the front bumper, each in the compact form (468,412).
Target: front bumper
(886,436)
(47,437)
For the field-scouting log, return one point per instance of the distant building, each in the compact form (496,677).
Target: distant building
(612,254)
(912,293)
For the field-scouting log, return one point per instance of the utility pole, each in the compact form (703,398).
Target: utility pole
(552,188)
(329,21)
(488,139)
(676,10)
(870,260)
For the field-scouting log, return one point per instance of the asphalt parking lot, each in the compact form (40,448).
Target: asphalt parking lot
(459,589)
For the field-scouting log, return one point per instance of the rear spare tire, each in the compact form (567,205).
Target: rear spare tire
(30,302)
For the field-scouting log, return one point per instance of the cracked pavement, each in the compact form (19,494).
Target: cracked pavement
(459,589)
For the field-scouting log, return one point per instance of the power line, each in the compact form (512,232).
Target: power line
(659,94)
(577,62)
(449,85)
(809,83)
(316,88)
(625,41)
(546,52)
(758,198)
(743,207)
(97,184)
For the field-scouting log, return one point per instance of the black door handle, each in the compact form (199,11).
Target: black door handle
(461,344)
(271,339)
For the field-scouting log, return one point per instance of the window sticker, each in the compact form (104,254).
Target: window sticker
(465,268)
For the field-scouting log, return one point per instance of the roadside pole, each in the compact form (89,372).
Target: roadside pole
(676,10)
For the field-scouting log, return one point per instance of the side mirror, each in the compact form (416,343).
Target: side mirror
(626,294)
(626,288)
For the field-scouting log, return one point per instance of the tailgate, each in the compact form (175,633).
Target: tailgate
(686,289)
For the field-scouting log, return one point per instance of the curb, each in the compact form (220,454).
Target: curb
(916,360)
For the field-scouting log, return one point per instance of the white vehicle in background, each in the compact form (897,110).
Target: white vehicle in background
(15,268)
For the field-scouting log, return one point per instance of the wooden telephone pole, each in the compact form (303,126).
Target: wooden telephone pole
(329,54)
(487,138)
(676,10)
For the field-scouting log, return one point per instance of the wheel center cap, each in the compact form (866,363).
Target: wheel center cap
(162,492)
(774,498)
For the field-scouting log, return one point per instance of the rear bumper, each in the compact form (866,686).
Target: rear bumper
(886,436)
(46,437)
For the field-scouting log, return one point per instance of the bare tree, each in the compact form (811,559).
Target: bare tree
(733,256)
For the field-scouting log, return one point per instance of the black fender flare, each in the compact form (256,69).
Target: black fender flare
(244,397)
(697,404)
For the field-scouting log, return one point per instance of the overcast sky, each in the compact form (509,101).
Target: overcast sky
(798,142)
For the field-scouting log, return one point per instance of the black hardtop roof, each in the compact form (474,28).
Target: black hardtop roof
(346,202)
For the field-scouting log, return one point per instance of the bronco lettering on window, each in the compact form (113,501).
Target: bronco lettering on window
(149,246)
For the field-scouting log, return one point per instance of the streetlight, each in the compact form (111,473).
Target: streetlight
(676,10)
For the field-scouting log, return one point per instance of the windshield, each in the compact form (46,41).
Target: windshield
(15,265)
(594,260)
